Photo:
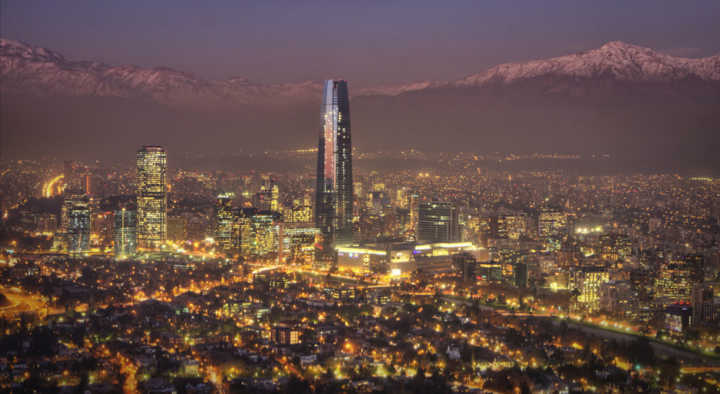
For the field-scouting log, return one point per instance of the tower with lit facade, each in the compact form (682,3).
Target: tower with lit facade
(438,222)
(151,197)
(75,223)
(224,220)
(334,188)
(125,233)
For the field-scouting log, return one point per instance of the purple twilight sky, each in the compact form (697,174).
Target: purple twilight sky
(368,42)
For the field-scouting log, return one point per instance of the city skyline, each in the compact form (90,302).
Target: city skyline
(525,197)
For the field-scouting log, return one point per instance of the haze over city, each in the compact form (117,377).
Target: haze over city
(376,197)
(249,75)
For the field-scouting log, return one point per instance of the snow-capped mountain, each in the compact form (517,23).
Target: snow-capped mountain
(619,98)
(28,69)
(616,60)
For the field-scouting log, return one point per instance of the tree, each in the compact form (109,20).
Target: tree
(641,352)
(669,372)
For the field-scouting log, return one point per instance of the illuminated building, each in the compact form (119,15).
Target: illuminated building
(511,226)
(520,273)
(342,293)
(75,223)
(125,233)
(361,258)
(673,284)
(377,202)
(102,226)
(438,222)
(299,212)
(242,232)
(265,227)
(489,272)
(706,302)
(401,199)
(587,282)
(257,233)
(551,223)
(268,198)
(334,194)
(283,334)
(298,243)
(466,264)
(678,317)
(413,205)
(224,219)
(357,189)
(405,257)
(151,197)
(617,298)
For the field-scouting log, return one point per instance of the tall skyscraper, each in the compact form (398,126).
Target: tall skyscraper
(125,233)
(151,197)
(224,219)
(438,222)
(333,193)
(75,223)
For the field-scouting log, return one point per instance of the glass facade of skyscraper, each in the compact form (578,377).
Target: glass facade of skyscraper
(438,222)
(75,220)
(125,233)
(224,220)
(334,194)
(151,197)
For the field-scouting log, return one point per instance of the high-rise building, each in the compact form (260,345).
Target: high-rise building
(298,243)
(265,233)
(224,220)
(75,223)
(438,222)
(125,233)
(413,201)
(334,194)
(705,302)
(151,197)
(257,233)
(551,223)
(587,281)
(511,226)
(268,198)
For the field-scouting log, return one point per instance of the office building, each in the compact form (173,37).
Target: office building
(125,233)
(224,219)
(587,281)
(438,222)
(151,197)
(75,223)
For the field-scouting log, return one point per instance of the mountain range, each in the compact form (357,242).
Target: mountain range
(628,100)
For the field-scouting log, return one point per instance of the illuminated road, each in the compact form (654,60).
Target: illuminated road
(24,302)
(53,186)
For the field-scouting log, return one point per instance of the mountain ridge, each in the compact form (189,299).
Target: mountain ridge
(622,99)
(25,68)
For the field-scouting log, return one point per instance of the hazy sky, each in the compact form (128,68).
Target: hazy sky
(368,42)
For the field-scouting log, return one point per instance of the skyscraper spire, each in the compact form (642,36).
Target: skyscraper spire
(334,195)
